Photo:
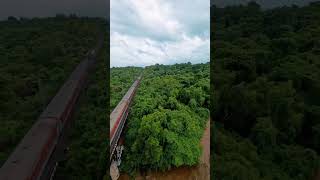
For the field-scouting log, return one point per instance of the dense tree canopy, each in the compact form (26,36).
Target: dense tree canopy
(37,55)
(265,79)
(120,81)
(167,118)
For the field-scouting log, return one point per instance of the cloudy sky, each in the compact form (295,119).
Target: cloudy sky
(146,32)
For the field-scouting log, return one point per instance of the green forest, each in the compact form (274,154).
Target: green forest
(265,80)
(167,118)
(37,55)
(121,80)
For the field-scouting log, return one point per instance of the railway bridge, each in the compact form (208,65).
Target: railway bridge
(118,119)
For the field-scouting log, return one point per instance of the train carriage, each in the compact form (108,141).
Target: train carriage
(30,157)
(61,105)
(119,115)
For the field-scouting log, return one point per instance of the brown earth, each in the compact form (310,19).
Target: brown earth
(317,176)
(199,172)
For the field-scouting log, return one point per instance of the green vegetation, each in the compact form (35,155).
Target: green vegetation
(266,83)
(37,55)
(86,156)
(121,80)
(167,118)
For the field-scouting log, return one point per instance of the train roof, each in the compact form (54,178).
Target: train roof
(62,98)
(119,109)
(23,161)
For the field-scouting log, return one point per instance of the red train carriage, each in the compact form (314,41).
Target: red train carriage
(119,115)
(61,105)
(26,162)
(32,154)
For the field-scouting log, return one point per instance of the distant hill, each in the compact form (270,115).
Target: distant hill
(266,4)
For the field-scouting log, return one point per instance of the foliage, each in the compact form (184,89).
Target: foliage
(167,118)
(121,80)
(265,74)
(37,55)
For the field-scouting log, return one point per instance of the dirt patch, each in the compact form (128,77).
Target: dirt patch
(317,176)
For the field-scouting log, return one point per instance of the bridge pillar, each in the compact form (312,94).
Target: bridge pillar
(114,171)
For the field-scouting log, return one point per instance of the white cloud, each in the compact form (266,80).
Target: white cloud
(156,16)
(145,32)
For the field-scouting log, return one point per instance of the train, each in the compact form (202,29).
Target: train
(29,159)
(119,115)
